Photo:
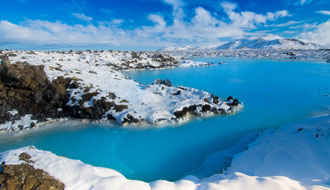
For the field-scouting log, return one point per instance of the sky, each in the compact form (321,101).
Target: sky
(154,24)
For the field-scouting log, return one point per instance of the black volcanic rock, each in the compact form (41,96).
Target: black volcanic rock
(165,82)
(26,88)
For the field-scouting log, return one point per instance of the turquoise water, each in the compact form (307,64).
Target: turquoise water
(273,92)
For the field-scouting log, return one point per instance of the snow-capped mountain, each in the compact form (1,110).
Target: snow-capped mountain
(269,43)
(266,42)
(187,48)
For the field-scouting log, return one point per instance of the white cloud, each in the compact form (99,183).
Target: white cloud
(320,35)
(203,18)
(82,17)
(324,12)
(302,2)
(117,21)
(175,3)
(289,23)
(203,28)
(278,14)
(44,32)
(158,19)
(306,26)
(249,19)
(178,12)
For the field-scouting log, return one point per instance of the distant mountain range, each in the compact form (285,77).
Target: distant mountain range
(267,42)
(187,48)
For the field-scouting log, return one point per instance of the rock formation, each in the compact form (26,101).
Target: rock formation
(26,177)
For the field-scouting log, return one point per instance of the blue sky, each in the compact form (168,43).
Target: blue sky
(152,24)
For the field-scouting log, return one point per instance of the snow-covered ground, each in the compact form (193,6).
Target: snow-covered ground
(96,72)
(191,63)
(295,156)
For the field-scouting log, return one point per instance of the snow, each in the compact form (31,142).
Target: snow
(19,124)
(298,151)
(295,156)
(191,63)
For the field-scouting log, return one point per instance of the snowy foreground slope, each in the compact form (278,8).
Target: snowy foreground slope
(97,82)
(293,157)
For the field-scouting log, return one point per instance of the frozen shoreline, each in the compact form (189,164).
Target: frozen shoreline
(95,89)
(295,156)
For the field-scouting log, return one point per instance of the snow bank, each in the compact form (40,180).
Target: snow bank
(293,157)
(299,151)
(191,63)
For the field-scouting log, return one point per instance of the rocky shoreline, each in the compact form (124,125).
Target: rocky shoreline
(292,54)
(38,90)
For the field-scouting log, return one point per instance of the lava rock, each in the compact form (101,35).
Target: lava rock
(215,99)
(206,108)
(235,102)
(165,82)
(177,93)
(130,119)
(25,157)
(230,98)
(290,54)
(26,88)
(185,111)
(25,176)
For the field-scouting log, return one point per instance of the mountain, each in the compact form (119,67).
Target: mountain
(187,48)
(266,42)
(269,43)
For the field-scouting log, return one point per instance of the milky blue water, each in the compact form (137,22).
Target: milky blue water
(273,92)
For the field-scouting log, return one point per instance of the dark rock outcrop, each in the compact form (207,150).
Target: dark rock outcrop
(129,119)
(185,111)
(235,102)
(165,82)
(97,112)
(26,88)
(25,157)
(290,54)
(26,177)
(230,98)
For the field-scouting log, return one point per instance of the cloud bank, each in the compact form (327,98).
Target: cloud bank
(204,27)
(320,34)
